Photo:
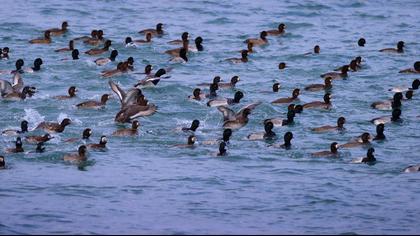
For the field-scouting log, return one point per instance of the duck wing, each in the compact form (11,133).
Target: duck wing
(17,82)
(5,87)
(117,90)
(228,114)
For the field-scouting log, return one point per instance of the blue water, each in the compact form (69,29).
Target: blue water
(144,185)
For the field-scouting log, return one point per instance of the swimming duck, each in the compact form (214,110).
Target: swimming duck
(57,31)
(133,131)
(409,169)
(104,61)
(282,65)
(102,143)
(235,79)
(213,91)
(5,53)
(96,40)
(75,54)
(365,137)
(294,97)
(198,47)
(93,35)
(414,70)
(287,141)
(336,75)
(414,86)
(37,139)
(399,49)
(278,122)
(340,126)
(197,95)
(85,135)
(45,40)
(222,149)
(158,31)
(2,162)
(194,126)
(326,104)
(280,30)
(216,80)
(227,101)
(249,48)
(130,112)
(78,157)
(23,129)
(389,104)
(380,132)
(238,122)
(258,42)
(94,104)
(243,59)
(317,50)
(40,148)
(37,66)
(118,71)
(332,153)
(190,143)
(7,88)
(317,87)
(17,148)
(268,134)
(396,113)
(52,127)
(97,51)
(361,42)
(72,93)
(17,96)
(369,159)
(227,133)
(142,41)
(184,37)
(182,58)
(177,51)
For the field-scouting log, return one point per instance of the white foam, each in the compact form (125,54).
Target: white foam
(33,117)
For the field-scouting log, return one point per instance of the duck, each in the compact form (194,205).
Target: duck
(233,81)
(222,149)
(52,127)
(94,104)
(23,129)
(317,50)
(335,75)
(78,157)
(57,31)
(227,101)
(282,65)
(389,104)
(4,55)
(7,88)
(101,145)
(298,109)
(380,132)
(103,61)
(279,31)
(198,47)
(37,66)
(158,31)
(361,42)
(216,80)
(118,71)
(258,42)
(18,147)
(369,159)
(194,126)
(399,49)
(396,113)
(151,81)
(72,94)
(2,163)
(340,126)
(408,95)
(213,91)
(243,59)
(414,70)
(230,115)
(145,41)
(288,136)
(294,97)
(190,143)
(85,136)
(238,122)
(227,133)
(275,88)
(97,51)
(278,122)
(40,148)
(177,51)
(365,137)
(184,36)
(75,54)
(317,87)
(182,58)
(197,95)
(130,112)
(332,153)
(18,96)
(353,66)
(249,48)
(126,98)
(93,35)
(38,139)
(133,131)
(45,40)
(95,41)
(409,169)
(326,104)
(414,86)
(267,135)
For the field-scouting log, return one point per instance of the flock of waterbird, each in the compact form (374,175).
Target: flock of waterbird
(134,104)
